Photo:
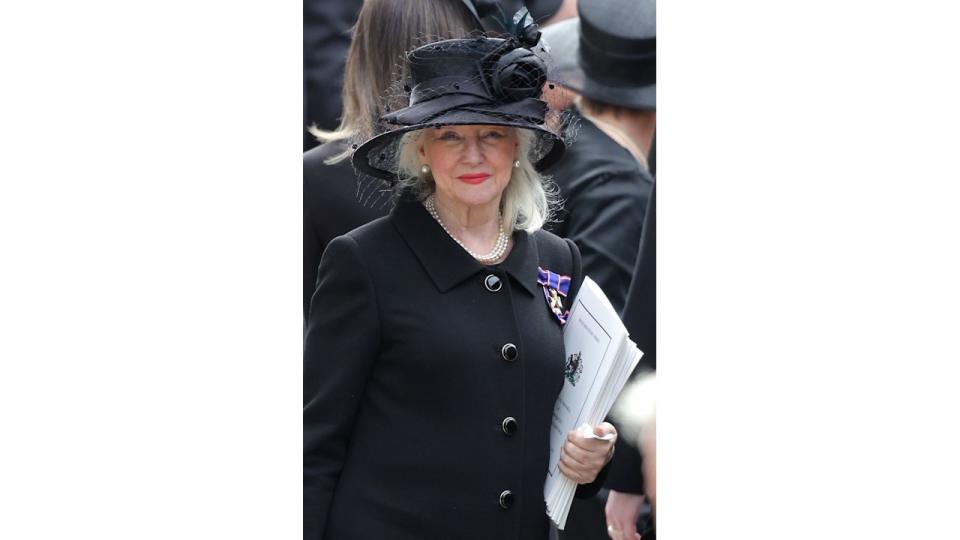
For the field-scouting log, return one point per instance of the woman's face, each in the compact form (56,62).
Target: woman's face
(471,165)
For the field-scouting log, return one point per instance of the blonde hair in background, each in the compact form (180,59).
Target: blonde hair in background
(527,203)
(385,31)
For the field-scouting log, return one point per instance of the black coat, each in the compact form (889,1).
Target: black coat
(640,313)
(605,194)
(640,318)
(407,385)
(334,202)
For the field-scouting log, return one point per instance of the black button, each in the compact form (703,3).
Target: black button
(492,283)
(506,499)
(509,352)
(509,425)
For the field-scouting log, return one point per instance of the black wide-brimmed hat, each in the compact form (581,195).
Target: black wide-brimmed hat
(480,80)
(609,54)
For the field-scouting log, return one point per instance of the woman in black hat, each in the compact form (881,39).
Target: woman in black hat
(333,200)
(434,349)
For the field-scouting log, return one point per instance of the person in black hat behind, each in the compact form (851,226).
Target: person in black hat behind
(433,352)
(608,58)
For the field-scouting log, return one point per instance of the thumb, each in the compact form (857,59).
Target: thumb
(603,429)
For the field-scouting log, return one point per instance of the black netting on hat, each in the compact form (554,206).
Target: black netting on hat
(471,81)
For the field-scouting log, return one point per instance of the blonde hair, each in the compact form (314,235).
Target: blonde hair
(384,32)
(527,203)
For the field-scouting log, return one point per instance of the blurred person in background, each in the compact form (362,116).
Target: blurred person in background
(566,10)
(334,201)
(326,38)
(607,57)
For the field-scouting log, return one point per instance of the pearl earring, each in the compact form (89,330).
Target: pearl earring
(425,169)
(516,164)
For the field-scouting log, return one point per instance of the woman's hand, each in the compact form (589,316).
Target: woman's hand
(581,458)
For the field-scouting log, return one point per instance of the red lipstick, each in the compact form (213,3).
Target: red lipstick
(473,178)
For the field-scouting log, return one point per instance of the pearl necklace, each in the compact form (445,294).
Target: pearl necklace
(498,249)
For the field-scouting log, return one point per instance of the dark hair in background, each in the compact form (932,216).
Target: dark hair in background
(384,32)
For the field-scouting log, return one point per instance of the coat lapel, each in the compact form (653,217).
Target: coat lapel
(446,262)
(522,262)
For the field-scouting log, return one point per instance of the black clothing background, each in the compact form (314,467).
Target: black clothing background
(640,318)
(332,206)
(326,40)
(640,313)
(405,385)
(605,193)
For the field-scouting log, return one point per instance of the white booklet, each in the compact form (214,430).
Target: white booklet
(599,360)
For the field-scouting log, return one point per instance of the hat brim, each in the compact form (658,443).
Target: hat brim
(371,157)
(643,98)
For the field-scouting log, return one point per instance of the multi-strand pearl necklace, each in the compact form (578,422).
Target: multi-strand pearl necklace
(498,249)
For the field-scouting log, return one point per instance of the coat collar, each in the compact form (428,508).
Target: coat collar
(446,262)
